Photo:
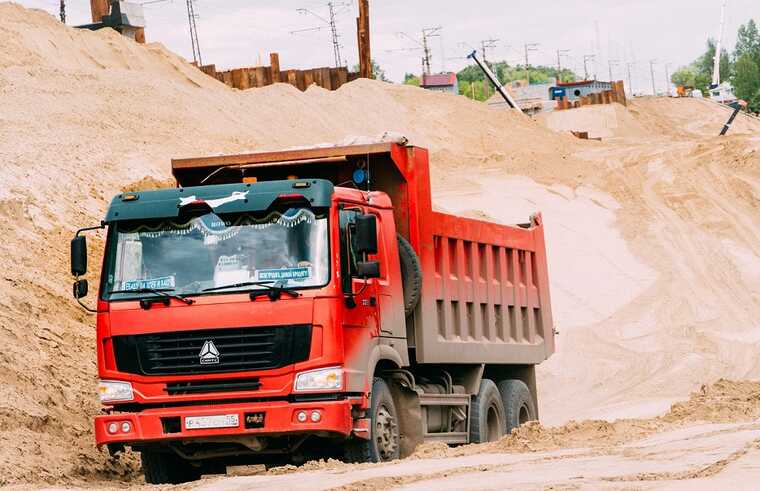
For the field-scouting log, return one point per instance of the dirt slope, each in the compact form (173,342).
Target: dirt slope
(653,242)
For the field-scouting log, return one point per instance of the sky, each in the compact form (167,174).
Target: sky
(618,33)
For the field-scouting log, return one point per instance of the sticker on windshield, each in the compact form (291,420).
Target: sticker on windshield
(284,274)
(149,283)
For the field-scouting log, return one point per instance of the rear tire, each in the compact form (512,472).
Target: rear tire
(167,468)
(384,443)
(487,415)
(518,403)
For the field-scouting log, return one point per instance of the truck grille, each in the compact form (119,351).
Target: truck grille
(239,350)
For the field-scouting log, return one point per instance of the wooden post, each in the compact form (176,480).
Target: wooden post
(308,78)
(259,76)
(99,9)
(274,60)
(292,78)
(362,32)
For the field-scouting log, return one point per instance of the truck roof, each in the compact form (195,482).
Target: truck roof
(222,198)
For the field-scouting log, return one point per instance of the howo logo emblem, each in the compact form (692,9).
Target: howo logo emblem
(209,354)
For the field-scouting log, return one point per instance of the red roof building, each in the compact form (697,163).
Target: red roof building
(442,82)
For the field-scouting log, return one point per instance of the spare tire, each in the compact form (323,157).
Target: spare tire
(411,275)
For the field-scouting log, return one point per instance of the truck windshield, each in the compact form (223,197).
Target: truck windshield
(189,255)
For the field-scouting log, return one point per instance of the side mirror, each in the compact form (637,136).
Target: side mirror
(81,289)
(368,269)
(365,240)
(78,255)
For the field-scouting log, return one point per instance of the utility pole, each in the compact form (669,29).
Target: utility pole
(486,44)
(586,59)
(427,33)
(362,34)
(335,40)
(667,77)
(331,24)
(63,11)
(651,69)
(191,16)
(610,64)
(560,52)
(630,81)
(528,48)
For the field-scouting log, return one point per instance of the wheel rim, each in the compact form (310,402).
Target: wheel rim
(386,434)
(494,425)
(524,414)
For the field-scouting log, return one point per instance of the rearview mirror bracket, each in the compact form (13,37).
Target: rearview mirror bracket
(80,288)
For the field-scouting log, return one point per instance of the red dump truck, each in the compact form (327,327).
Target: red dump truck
(281,306)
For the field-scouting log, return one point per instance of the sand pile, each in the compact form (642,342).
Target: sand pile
(725,401)
(653,248)
(648,117)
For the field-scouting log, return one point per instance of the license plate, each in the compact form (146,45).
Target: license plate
(206,422)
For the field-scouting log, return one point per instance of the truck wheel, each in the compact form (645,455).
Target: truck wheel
(411,275)
(167,468)
(518,403)
(487,415)
(384,442)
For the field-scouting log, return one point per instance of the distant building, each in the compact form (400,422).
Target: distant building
(576,90)
(441,82)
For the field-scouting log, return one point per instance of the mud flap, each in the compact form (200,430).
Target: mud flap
(409,412)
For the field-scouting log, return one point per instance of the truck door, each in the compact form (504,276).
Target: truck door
(362,309)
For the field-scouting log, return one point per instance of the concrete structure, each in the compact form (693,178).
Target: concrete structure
(442,82)
(575,90)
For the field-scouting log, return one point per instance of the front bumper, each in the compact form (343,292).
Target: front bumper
(154,425)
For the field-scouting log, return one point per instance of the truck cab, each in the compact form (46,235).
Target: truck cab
(273,308)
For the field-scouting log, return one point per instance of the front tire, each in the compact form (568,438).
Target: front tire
(384,443)
(167,468)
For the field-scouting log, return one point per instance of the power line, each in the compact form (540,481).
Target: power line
(560,52)
(586,59)
(424,44)
(330,23)
(191,16)
(487,44)
(610,64)
(528,48)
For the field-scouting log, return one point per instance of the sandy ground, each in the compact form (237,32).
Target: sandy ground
(653,240)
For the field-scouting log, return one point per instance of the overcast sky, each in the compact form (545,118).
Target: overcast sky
(236,33)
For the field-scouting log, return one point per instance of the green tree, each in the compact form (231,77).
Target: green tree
(685,76)
(412,79)
(748,42)
(754,103)
(377,72)
(706,63)
(471,77)
(746,79)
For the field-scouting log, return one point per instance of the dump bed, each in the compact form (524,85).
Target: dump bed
(485,291)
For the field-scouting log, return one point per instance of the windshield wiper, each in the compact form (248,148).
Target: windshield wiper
(162,292)
(237,285)
(273,291)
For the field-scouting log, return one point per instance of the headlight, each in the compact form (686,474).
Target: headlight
(322,379)
(110,391)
